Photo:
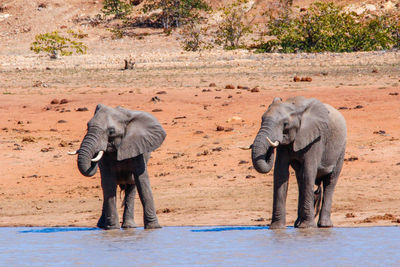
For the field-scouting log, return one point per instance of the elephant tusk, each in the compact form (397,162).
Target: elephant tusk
(96,159)
(246,147)
(274,144)
(73,152)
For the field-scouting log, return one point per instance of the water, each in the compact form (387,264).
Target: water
(206,246)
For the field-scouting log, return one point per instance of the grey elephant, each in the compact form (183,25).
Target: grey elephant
(119,141)
(310,136)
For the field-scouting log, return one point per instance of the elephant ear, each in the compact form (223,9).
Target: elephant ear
(314,122)
(143,134)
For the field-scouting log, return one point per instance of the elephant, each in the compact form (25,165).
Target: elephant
(119,141)
(309,136)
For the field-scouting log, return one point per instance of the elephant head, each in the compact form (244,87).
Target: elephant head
(296,122)
(117,130)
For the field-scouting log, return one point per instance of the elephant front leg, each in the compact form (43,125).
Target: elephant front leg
(281,180)
(109,216)
(306,176)
(129,210)
(142,182)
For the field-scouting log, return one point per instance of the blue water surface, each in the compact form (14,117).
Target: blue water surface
(205,246)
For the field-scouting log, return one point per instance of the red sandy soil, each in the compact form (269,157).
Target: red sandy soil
(199,176)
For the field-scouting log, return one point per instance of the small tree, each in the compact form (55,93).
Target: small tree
(193,34)
(55,44)
(118,8)
(233,26)
(175,13)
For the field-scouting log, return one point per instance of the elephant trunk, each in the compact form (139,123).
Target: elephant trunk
(86,153)
(262,153)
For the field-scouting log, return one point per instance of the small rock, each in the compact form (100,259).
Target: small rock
(206,90)
(229,86)
(82,109)
(350,215)
(62,121)
(243,87)
(220,128)
(198,132)
(230,96)
(157,110)
(28,139)
(229,129)
(63,101)
(395,93)
(161,93)
(54,102)
(212,85)
(243,162)
(352,158)
(45,149)
(250,176)
(217,149)
(255,90)
(342,108)
(381,132)
(375,71)
(296,79)
(358,107)
(306,79)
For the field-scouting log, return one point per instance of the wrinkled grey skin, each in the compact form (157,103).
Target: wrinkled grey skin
(127,138)
(312,139)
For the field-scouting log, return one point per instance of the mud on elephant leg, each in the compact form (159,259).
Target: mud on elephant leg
(129,210)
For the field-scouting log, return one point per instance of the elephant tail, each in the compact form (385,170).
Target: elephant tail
(317,200)
(123,188)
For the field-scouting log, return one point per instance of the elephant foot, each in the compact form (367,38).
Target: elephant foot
(325,223)
(277,225)
(103,225)
(305,224)
(153,225)
(128,224)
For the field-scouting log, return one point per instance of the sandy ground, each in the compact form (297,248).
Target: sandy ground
(199,176)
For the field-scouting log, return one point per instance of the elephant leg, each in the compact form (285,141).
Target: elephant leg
(129,210)
(142,181)
(329,183)
(306,176)
(281,180)
(109,217)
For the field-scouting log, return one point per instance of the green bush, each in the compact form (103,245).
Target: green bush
(193,37)
(327,27)
(118,8)
(54,44)
(233,26)
(175,13)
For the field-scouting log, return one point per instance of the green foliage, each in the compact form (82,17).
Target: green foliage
(118,8)
(175,13)
(327,27)
(54,43)
(233,26)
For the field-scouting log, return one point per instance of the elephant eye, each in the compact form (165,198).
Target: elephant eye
(285,125)
(111,131)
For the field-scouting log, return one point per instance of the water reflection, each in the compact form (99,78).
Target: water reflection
(221,246)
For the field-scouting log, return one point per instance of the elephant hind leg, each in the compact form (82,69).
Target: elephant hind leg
(329,183)
(128,203)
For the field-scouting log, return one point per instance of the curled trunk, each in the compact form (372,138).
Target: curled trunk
(262,154)
(87,151)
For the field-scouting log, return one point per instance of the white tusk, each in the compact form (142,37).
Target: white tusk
(96,159)
(73,152)
(274,144)
(245,147)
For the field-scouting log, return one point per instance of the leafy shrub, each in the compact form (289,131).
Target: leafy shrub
(117,8)
(193,36)
(175,13)
(327,27)
(54,43)
(233,26)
